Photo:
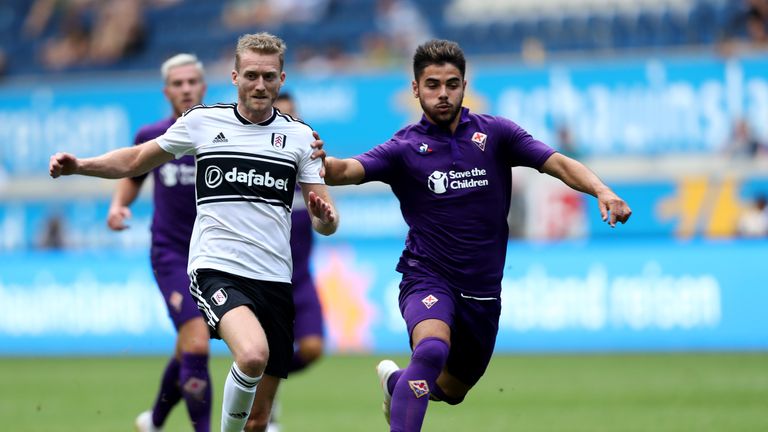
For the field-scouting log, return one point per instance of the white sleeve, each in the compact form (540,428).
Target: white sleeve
(177,139)
(309,169)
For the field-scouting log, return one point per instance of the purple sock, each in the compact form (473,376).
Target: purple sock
(411,395)
(169,393)
(392,382)
(196,388)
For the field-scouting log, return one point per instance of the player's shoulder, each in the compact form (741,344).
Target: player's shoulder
(200,110)
(290,122)
(493,121)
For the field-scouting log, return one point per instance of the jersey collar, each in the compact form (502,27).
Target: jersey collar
(430,127)
(245,121)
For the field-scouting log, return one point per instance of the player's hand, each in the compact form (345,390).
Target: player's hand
(320,209)
(116,218)
(62,164)
(318,152)
(612,208)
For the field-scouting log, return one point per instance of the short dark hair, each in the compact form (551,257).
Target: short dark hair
(439,52)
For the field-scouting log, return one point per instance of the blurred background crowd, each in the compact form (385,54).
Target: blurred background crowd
(42,36)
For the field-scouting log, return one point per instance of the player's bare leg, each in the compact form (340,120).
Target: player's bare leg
(262,404)
(251,352)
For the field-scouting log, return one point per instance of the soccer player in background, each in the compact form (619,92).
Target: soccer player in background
(451,173)
(186,375)
(248,160)
(308,332)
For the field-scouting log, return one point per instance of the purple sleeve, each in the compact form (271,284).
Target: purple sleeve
(521,148)
(380,162)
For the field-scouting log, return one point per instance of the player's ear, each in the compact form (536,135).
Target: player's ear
(234,77)
(415,88)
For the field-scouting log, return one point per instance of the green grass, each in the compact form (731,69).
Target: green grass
(643,392)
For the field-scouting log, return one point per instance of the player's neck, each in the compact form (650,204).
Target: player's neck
(255,117)
(451,127)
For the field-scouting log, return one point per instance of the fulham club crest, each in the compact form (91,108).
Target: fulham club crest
(278,141)
(219,297)
(479,139)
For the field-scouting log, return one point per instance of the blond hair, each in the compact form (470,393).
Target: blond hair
(263,43)
(182,59)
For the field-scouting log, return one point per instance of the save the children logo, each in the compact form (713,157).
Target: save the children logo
(440,182)
(437,182)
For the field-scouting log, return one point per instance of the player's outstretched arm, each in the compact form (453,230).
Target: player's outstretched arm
(325,220)
(124,162)
(343,171)
(576,175)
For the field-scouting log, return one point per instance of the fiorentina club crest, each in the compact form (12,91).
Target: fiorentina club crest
(419,387)
(429,301)
(479,139)
(278,141)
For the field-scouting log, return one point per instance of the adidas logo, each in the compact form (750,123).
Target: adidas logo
(220,138)
(240,415)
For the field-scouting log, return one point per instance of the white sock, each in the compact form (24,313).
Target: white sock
(239,390)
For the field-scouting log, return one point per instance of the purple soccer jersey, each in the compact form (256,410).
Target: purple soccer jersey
(454,192)
(172,222)
(174,196)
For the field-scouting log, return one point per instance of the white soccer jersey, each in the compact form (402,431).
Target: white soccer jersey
(245,180)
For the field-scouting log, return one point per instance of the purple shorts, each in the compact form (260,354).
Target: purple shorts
(474,321)
(170,271)
(309,314)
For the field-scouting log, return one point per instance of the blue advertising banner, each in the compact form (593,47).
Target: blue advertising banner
(642,107)
(613,295)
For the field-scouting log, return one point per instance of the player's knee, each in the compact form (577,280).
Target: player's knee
(194,337)
(432,350)
(252,361)
(195,345)
(311,349)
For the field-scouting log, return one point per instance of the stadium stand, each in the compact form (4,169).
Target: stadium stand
(483,27)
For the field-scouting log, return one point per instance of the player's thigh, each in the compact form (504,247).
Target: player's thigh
(242,332)
(229,310)
(424,300)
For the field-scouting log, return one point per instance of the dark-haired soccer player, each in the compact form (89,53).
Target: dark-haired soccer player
(248,160)
(451,174)
(186,375)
